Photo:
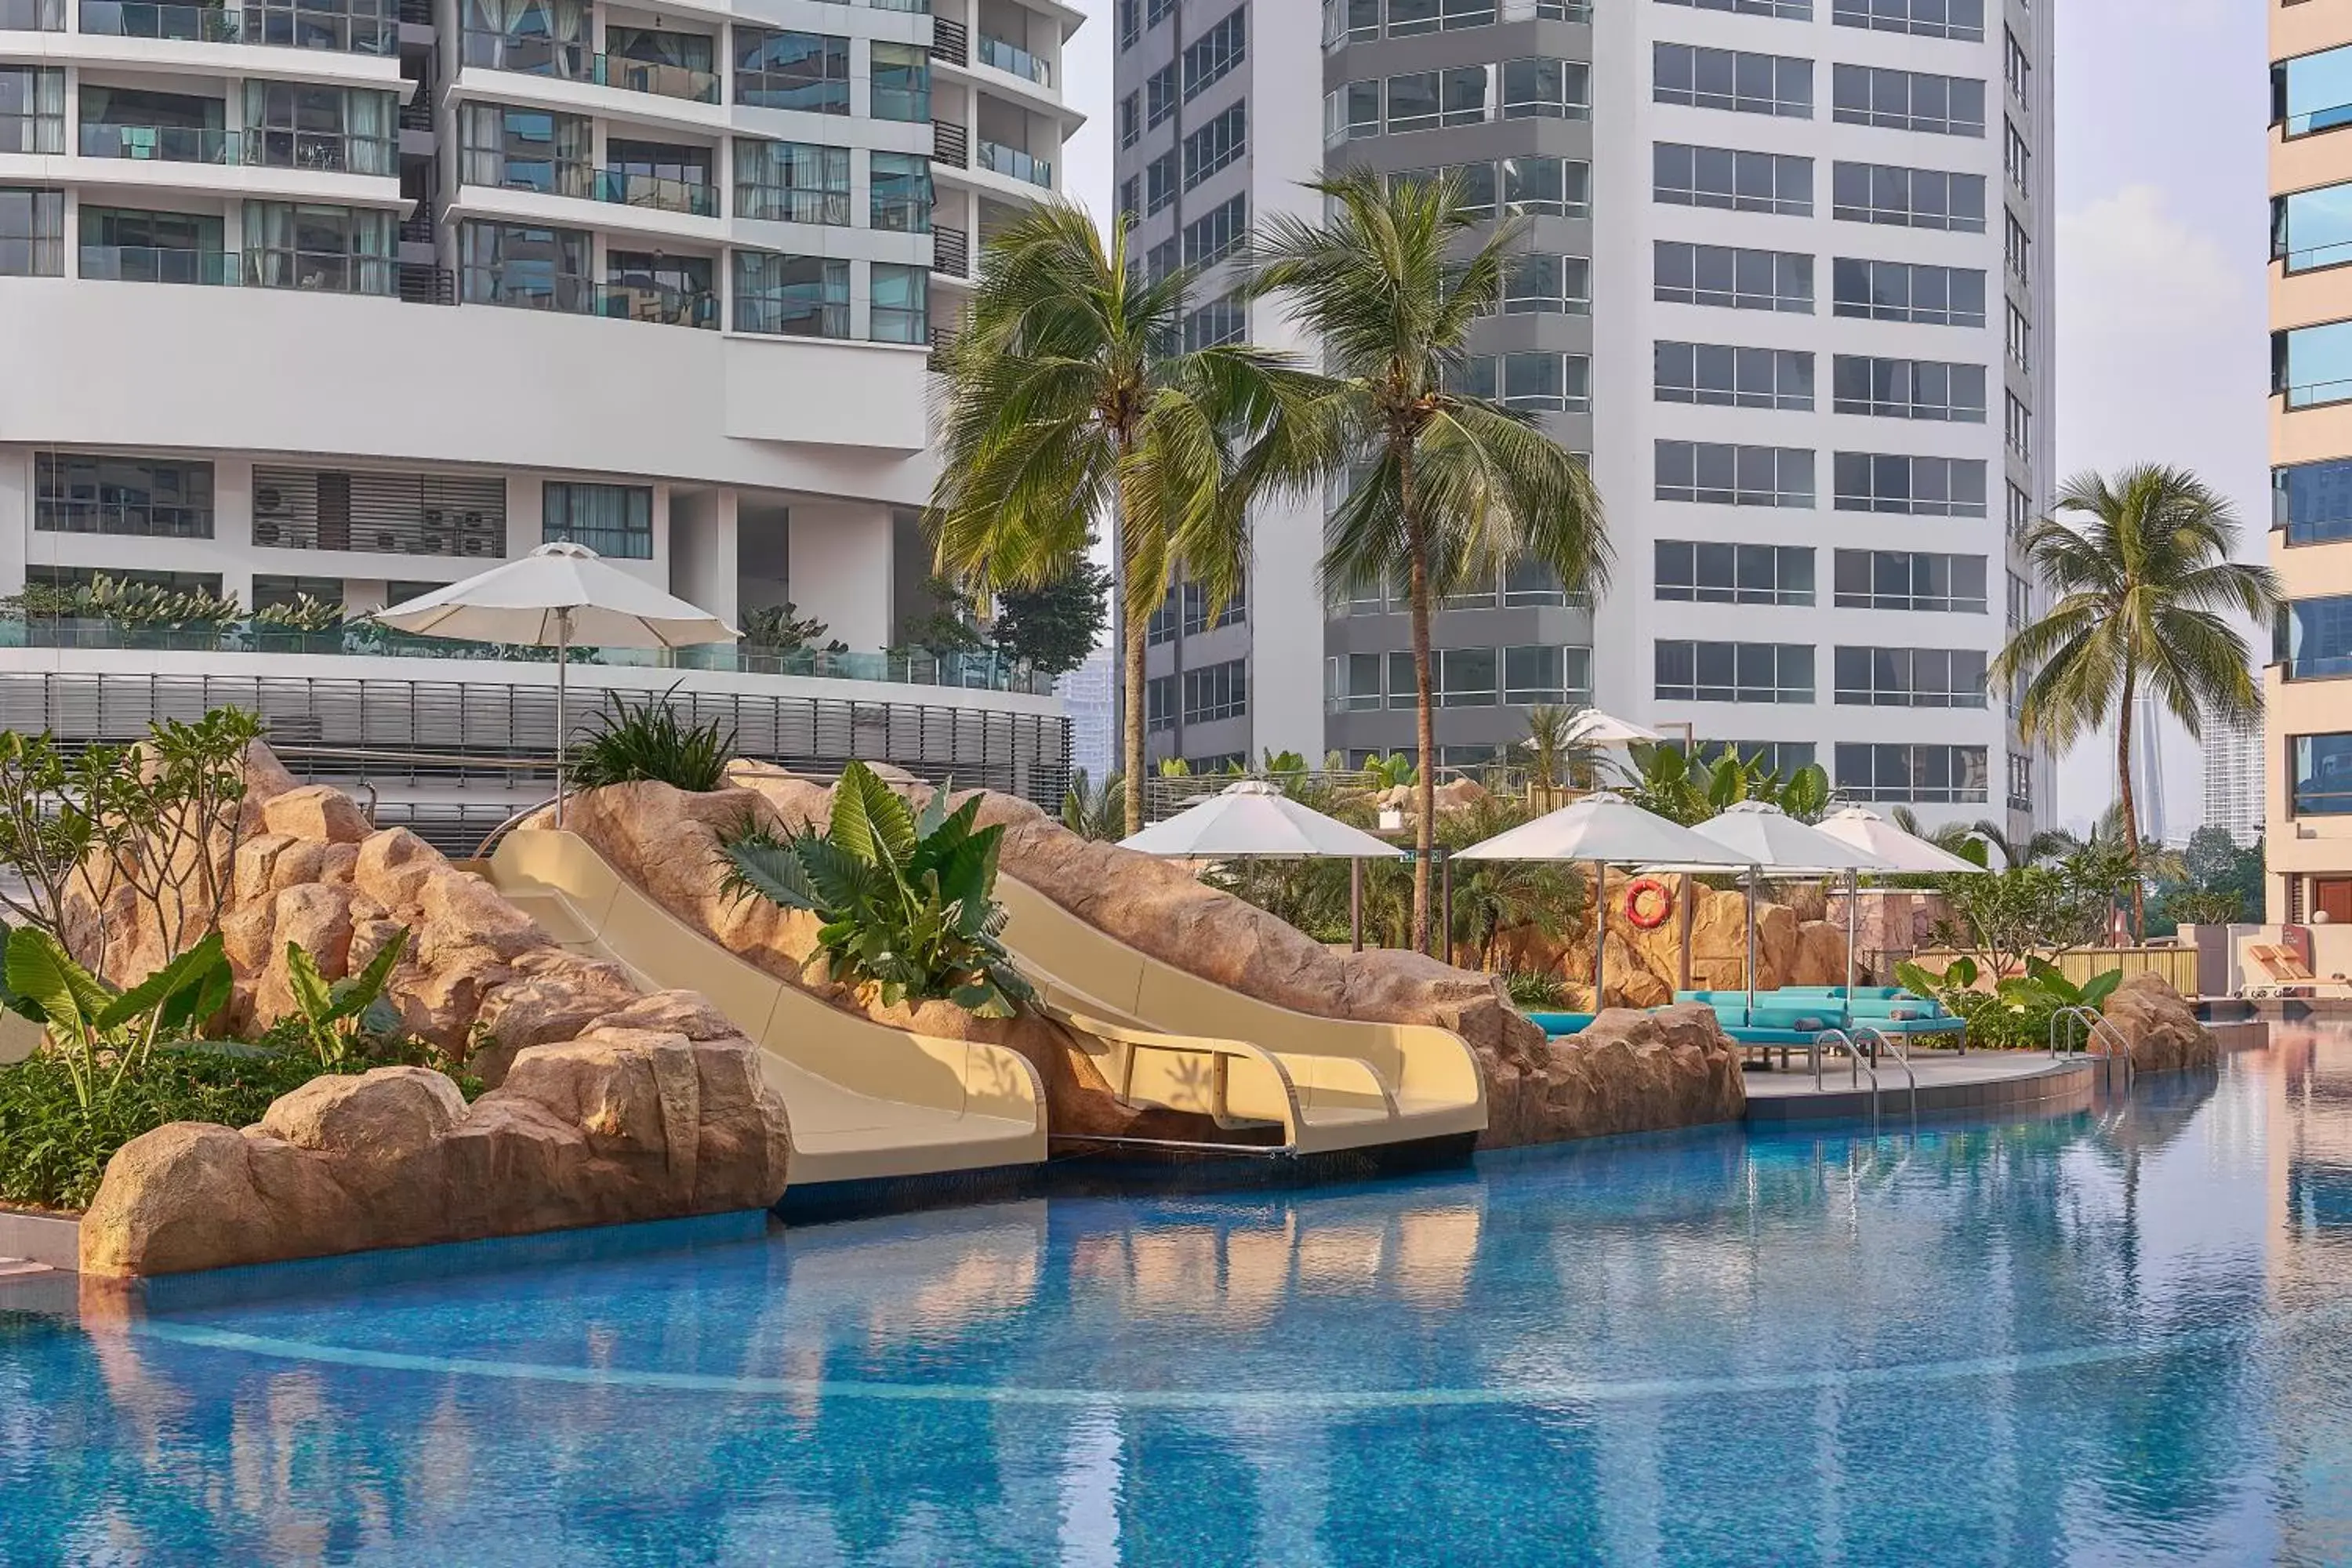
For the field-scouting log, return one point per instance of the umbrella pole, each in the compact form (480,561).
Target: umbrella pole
(1852,896)
(1601,936)
(1356,903)
(1751,940)
(562,663)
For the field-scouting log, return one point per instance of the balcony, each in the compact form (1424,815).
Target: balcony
(998,55)
(343,32)
(951,252)
(321,151)
(535,290)
(32,15)
(574,62)
(999,159)
(950,42)
(659,304)
(159,143)
(950,144)
(624,188)
(157,264)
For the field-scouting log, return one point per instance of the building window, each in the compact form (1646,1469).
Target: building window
(100,492)
(1932,390)
(791,181)
(1910,677)
(1735,672)
(1159,97)
(1217,691)
(1351,683)
(1359,21)
(2017,248)
(2016,158)
(1212,238)
(34,16)
(2323,775)
(1541,88)
(1906,292)
(1159,182)
(2311,366)
(1130,120)
(1215,52)
(807,71)
(900,88)
(902,196)
(525,149)
(792,296)
(1219,322)
(32,110)
(1786,10)
(1544,284)
(1907,101)
(1732,180)
(899,311)
(1917,579)
(2017,422)
(133,246)
(1351,112)
(289,125)
(1160,703)
(1196,618)
(339,250)
(2318,638)
(520,264)
(2020,514)
(1707,572)
(1465,677)
(1962,19)
(611,519)
(1721,474)
(2312,92)
(1219,142)
(1734,279)
(32,232)
(1544,673)
(2019,336)
(2311,502)
(1722,376)
(1913,487)
(1907,198)
(2021,602)
(1736,80)
(271,592)
(1541,383)
(1918,775)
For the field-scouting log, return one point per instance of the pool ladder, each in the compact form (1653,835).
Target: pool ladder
(1861,1063)
(2097,1027)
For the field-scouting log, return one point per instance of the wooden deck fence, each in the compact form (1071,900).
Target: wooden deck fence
(2178,965)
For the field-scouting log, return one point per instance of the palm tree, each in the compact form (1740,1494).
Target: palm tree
(2144,588)
(1066,396)
(1447,489)
(1557,759)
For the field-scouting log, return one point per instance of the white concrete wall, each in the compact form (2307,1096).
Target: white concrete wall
(840,570)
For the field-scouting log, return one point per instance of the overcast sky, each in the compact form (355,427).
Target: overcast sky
(2161,247)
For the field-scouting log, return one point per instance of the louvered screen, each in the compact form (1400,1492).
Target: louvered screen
(381,513)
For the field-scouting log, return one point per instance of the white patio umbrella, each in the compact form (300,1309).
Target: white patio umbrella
(1766,838)
(558,595)
(1593,728)
(1905,853)
(1254,820)
(1603,830)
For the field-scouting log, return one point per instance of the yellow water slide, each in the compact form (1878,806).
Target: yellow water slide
(865,1100)
(1166,1036)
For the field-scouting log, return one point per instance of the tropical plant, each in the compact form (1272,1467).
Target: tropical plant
(1392,770)
(1689,789)
(782,628)
(1067,397)
(2003,917)
(1447,489)
(1092,810)
(1534,988)
(2205,907)
(2144,589)
(303,613)
(1053,628)
(649,743)
(334,1014)
(1557,759)
(2018,1012)
(100,1035)
(947,626)
(907,902)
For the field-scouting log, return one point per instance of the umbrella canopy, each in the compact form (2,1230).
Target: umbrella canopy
(1607,828)
(1761,835)
(1594,728)
(1906,852)
(558,595)
(1255,819)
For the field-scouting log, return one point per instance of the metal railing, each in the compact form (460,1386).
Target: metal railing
(1896,1044)
(272,27)
(570,62)
(2095,1026)
(951,252)
(950,143)
(1839,1040)
(950,41)
(623,187)
(159,143)
(157,264)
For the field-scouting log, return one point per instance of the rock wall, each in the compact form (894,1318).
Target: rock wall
(2160,1025)
(1644,966)
(673,1126)
(1537,1090)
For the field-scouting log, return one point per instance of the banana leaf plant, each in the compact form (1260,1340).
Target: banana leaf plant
(335,1014)
(906,902)
(103,1034)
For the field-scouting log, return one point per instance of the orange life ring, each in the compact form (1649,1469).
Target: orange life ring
(1648,902)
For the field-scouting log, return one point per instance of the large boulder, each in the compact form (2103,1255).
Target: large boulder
(618,1125)
(2159,1027)
(1629,1071)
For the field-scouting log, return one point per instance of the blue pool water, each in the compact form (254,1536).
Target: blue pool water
(2122,1337)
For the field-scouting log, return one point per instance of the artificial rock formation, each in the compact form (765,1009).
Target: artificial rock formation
(1644,966)
(606,1104)
(2160,1026)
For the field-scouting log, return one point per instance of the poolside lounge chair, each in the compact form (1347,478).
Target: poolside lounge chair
(2283,973)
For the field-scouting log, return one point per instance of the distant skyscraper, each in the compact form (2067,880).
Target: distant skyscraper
(1086,692)
(2233,782)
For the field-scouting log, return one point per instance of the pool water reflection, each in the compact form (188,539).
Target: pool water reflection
(2120,1337)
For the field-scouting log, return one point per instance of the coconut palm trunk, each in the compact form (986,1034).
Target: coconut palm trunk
(2131,803)
(1425,723)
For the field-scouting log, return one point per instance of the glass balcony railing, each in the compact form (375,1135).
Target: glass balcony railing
(624,188)
(32,15)
(535,55)
(661,304)
(999,55)
(157,264)
(1000,159)
(970,672)
(159,143)
(535,290)
(321,151)
(341,32)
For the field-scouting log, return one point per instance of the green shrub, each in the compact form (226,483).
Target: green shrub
(1534,988)
(907,903)
(649,743)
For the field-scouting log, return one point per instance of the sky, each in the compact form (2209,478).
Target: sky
(2162,242)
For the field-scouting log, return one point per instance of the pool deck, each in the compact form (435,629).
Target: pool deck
(1979,1083)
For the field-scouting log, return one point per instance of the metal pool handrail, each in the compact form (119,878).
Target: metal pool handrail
(2093,1024)
(1838,1039)
(1900,1049)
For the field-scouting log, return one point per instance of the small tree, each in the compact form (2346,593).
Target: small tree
(782,628)
(1053,629)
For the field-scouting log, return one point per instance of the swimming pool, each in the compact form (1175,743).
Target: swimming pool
(2119,1337)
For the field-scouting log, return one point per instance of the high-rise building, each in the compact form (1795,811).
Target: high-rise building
(2233,782)
(1087,696)
(2308,740)
(1784,275)
(343,302)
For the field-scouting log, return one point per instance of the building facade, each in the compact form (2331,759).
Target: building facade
(2235,783)
(1784,278)
(342,303)
(2308,735)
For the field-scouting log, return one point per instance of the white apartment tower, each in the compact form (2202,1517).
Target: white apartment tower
(351,300)
(1786,280)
